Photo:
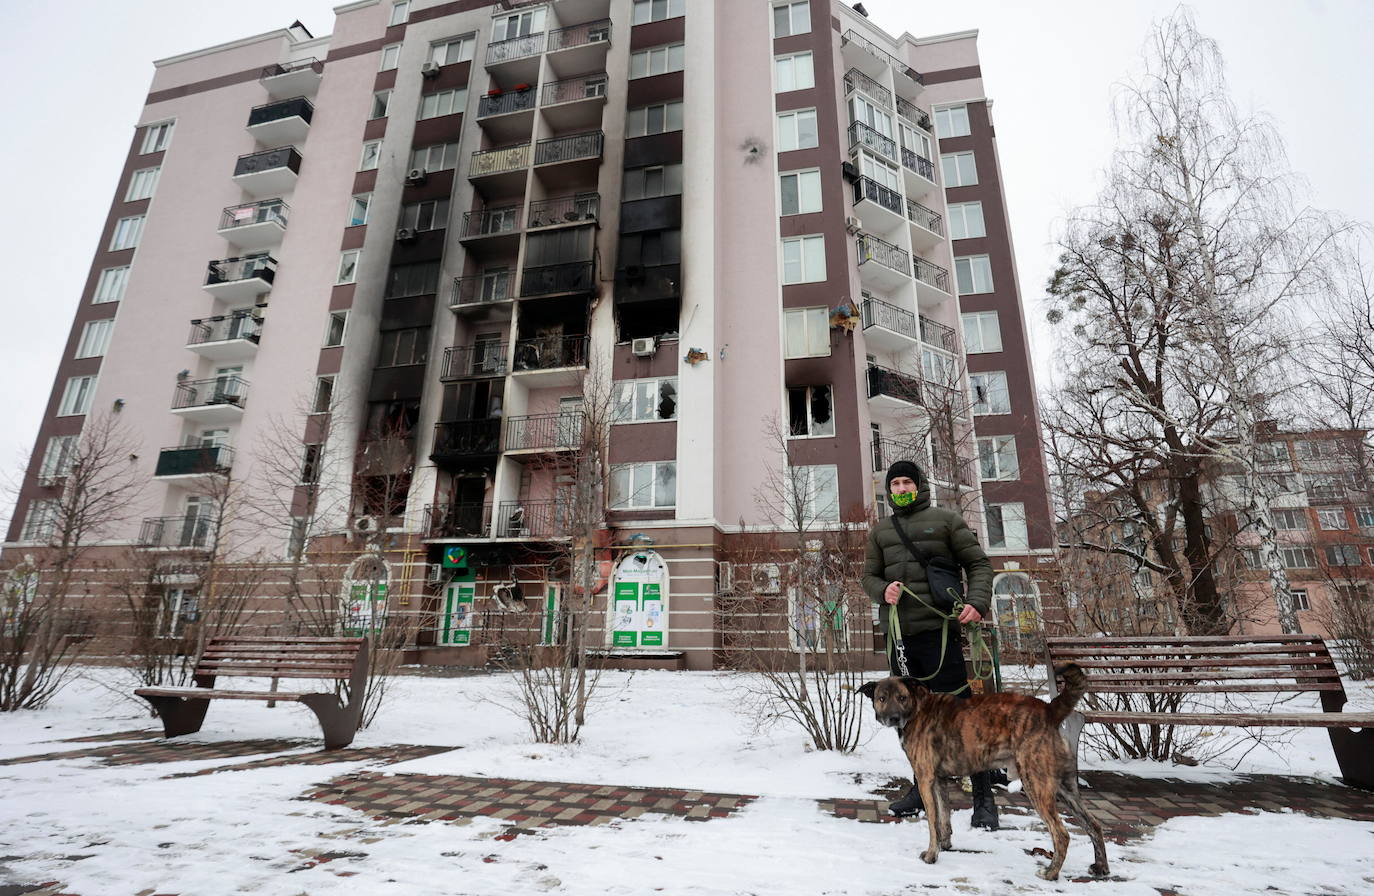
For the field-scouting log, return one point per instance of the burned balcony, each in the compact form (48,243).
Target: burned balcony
(545,432)
(557,279)
(458,520)
(216,400)
(467,444)
(474,361)
(246,277)
(887,325)
(531,519)
(892,389)
(881,264)
(255,226)
(272,172)
(576,209)
(550,360)
(196,532)
(482,291)
(939,335)
(194,460)
(861,134)
(282,122)
(299,78)
(226,337)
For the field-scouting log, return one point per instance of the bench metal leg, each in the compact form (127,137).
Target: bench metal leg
(339,723)
(1355,755)
(179,715)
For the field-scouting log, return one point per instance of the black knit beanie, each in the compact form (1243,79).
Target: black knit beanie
(903,468)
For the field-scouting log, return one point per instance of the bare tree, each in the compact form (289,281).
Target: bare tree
(45,628)
(794,614)
(1179,283)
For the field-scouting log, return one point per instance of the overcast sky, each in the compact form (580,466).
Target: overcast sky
(78,73)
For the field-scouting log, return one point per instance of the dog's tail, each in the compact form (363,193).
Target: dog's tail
(1075,686)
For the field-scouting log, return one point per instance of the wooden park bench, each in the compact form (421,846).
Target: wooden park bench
(182,710)
(1254,666)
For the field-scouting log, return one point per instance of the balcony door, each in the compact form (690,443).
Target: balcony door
(195,524)
(228,385)
(486,353)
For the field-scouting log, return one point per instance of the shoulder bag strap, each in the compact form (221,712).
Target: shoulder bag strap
(916,552)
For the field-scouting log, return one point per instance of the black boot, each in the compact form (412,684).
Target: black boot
(909,805)
(984,805)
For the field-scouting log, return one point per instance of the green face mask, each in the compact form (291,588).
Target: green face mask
(903,499)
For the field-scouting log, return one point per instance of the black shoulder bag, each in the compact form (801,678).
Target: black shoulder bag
(944,576)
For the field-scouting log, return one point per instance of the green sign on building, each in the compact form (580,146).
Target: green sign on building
(455,624)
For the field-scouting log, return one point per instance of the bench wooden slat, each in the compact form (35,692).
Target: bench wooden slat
(274,672)
(1222,662)
(212,694)
(1223,675)
(1237,720)
(1202,652)
(296,642)
(215,653)
(1111,688)
(1117,640)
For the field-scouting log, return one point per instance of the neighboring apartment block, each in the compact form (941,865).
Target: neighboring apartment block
(361,294)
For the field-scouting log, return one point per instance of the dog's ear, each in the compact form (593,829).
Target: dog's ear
(868,689)
(918,690)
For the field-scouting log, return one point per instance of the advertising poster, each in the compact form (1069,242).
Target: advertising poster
(455,629)
(639,602)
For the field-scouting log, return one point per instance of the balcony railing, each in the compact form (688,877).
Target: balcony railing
(560,430)
(873,249)
(457,520)
(491,221)
(275,69)
(570,148)
(886,452)
(580,35)
(939,335)
(857,80)
(460,438)
(176,532)
(870,189)
(550,352)
(225,327)
(510,101)
(877,313)
(932,274)
(958,470)
(194,460)
(473,361)
(495,287)
(499,161)
(893,384)
(913,114)
(258,162)
(924,217)
(862,133)
(267,211)
(229,390)
(853,37)
(550,279)
(526,519)
(565,210)
(276,111)
(231,270)
(585,87)
(920,164)
(515,48)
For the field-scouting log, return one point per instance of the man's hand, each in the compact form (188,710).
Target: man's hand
(970,614)
(893,592)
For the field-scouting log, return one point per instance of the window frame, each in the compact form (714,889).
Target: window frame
(789,119)
(342,278)
(809,317)
(363,161)
(988,392)
(647,54)
(400,13)
(802,176)
(808,396)
(40,521)
(403,347)
(804,241)
(391,58)
(1300,603)
(640,115)
(150,180)
(324,387)
(467,44)
(957,160)
(617,469)
(1364,516)
(381,99)
(1326,515)
(672,9)
(438,214)
(444,164)
(790,7)
(670,176)
(359,200)
(981,318)
(127,236)
(1002,523)
(1343,555)
(792,59)
(948,113)
(979,268)
(998,445)
(815,515)
(329,328)
(629,389)
(77,395)
(959,211)
(453,107)
(157,137)
(95,342)
(58,457)
(103,285)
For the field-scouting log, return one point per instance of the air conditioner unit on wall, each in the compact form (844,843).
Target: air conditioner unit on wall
(643,347)
(726,577)
(416,176)
(853,225)
(430,70)
(365,525)
(405,235)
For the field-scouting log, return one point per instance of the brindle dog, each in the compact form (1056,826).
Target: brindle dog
(944,736)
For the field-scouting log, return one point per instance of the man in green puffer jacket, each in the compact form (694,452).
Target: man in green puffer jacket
(889,565)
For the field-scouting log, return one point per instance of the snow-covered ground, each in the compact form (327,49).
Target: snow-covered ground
(243,831)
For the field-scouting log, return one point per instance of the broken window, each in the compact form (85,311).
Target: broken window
(809,411)
(642,401)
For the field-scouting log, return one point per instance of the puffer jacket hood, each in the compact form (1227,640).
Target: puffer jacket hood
(912,471)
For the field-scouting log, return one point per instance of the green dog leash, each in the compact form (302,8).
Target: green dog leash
(980,655)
